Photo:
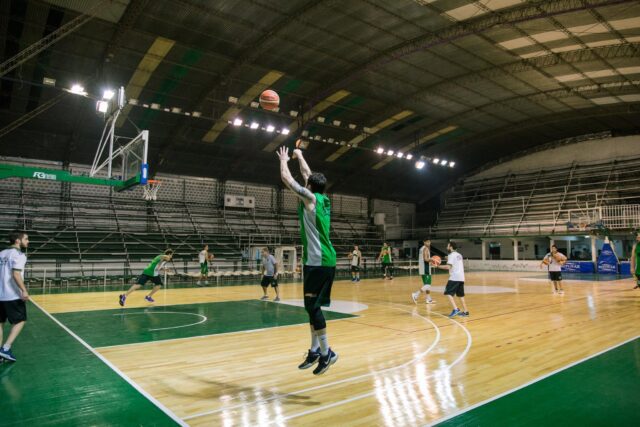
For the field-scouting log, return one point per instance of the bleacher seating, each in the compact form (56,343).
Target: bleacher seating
(536,202)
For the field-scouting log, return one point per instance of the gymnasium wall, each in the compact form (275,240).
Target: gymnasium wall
(593,151)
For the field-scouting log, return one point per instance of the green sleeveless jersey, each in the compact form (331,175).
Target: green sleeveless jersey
(314,231)
(637,255)
(153,269)
(386,254)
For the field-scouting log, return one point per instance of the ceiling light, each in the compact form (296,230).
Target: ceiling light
(380,150)
(254,125)
(293,113)
(409,156)
(419,164)
(133,101)
(270,128)
(318,138)
(320,119)
(305,133)
(436,161)
(197,114)
(352,126)
(330,140)
(176,110)
(444,163)
(77,89)
(108,94)
(49,81)
(237,122)
(103,106)
(337,122)
(452,164)
(254,104)
(400,155)
(390,152)
(233,100)
(155,106)
(285,131)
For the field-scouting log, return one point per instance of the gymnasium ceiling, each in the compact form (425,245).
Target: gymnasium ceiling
(467,81)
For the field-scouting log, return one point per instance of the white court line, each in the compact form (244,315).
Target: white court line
(204,318)
(247,331)
(346,380)
(152,399)
(491,399)
(373,393)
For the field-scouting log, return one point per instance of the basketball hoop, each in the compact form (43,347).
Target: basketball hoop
(151,189)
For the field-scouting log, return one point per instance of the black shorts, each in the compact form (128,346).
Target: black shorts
(454,288)
(555,276)
(318,281)
(15,311)
(143,278)
(355,268)
(269,280)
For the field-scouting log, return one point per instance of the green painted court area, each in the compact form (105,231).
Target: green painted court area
(601,391)
(58,382)
(127,326)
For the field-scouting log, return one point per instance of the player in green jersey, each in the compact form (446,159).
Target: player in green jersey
(151,272)
(635,260)
(318,255)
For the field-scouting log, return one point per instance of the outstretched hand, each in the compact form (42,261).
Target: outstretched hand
(283,154)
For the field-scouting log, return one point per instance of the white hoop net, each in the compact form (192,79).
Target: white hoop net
(151,190)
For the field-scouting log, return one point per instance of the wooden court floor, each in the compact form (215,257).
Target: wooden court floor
(217,356)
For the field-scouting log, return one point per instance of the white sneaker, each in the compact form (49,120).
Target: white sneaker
(560,292)
(414,297)
(430,301)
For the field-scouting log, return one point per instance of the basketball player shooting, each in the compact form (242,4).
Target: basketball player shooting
(318,255)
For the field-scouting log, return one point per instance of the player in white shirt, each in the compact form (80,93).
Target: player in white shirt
(455,285)
(13,292)
(203,258)
(356,259)
(555,260)
(424,269)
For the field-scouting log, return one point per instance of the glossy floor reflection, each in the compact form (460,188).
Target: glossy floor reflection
(401,364)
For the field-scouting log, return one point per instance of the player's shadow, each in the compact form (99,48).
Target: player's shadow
(214,390)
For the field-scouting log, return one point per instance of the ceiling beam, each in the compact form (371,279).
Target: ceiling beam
(527,12)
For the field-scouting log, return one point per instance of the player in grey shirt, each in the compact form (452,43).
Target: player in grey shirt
(269,274)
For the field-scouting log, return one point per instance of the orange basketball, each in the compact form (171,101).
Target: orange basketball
(269,100)
(436,260)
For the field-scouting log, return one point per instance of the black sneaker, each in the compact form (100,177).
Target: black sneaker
(122,299)
(310,360)
(325,362)
(463,314)
(7,355)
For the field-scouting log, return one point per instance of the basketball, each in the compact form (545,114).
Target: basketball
(436,260)
(269,100)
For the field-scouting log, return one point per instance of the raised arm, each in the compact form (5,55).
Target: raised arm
(300,191)
(305,170)
(632,259)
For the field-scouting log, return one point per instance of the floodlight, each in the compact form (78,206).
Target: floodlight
(419,164)
(285,131)
(254,125)
(380,150)
(237,122)
(409,156)
(108,94)
(436,161)
(270,128)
